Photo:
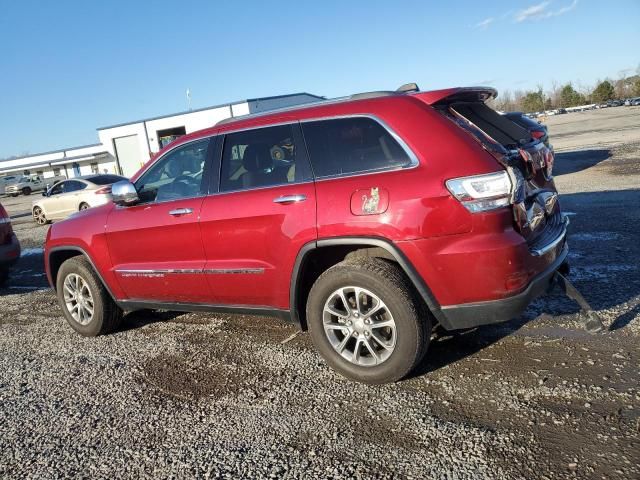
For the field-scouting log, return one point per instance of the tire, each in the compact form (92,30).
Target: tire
(26,191)
(387,282)
(83,206)
(106,315)
(39,216)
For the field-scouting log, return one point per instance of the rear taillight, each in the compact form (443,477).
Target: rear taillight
(103,191)
(549,158)
(481,193)
(537,134)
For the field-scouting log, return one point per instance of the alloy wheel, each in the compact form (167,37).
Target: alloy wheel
(38,216)
(359,326)
(78,298)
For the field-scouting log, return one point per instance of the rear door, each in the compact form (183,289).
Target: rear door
(263,214)
(155,246)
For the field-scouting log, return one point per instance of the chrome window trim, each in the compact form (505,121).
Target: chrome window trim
(279,185)
(256,127)
(414,161)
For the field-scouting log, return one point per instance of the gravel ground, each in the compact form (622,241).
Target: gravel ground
(184,395)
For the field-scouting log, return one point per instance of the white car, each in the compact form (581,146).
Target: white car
(73,195)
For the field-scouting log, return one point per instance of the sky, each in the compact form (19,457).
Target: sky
(69,67)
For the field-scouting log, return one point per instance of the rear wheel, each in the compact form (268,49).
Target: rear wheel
(26,191)
(85,302)
(39,216)
(366,321)
(83,206)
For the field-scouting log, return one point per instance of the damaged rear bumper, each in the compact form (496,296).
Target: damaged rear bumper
(470,315)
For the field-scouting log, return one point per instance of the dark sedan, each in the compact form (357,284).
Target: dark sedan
(537,130)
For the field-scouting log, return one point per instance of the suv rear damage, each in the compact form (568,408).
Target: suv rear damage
(367,220)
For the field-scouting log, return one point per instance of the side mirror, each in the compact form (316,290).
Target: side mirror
(124,193)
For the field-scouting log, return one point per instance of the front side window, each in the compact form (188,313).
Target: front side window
(262,157)
(351,145)
(178,174)
(57,189)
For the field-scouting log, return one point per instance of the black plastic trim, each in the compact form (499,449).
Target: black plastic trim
(205,307)
(420,285)
(74,248)
(469,315)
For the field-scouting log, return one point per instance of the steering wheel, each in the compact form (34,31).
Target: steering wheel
(186,179)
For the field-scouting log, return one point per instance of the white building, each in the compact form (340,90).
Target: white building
(124,148)
(133,143)
(70,162)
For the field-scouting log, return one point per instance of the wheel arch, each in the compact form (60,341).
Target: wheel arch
(316,256)
(58,255)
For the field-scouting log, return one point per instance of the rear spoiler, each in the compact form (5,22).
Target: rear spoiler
(458,94)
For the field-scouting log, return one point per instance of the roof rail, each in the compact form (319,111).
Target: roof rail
(402,90)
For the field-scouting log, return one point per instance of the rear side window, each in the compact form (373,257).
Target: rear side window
(105,179)
(262,157)
(351,145)
(74,186)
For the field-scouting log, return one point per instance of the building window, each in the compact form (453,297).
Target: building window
(94,168)
(26,172)
(165,137)
(56,172)
(40,173)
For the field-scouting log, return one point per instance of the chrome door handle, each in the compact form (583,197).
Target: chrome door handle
(286,199)
(180,211)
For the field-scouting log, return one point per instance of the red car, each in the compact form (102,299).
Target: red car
(9,246)
(366,220)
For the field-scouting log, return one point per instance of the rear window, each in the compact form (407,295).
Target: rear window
(351,145)
(105,179)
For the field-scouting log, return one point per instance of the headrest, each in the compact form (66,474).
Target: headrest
(257,157)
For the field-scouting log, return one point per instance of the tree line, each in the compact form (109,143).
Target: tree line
(563,96)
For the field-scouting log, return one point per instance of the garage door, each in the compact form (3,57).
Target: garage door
(128,152)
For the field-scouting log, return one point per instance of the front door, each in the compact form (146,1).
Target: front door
(155,245)
(264,213)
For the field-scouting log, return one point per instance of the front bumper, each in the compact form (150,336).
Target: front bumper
(471,315)
(10,253)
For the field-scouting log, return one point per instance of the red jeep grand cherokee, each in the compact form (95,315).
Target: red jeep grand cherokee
(366,219)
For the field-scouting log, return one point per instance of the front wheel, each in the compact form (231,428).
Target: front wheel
(366,321)
(39,217)
(84,300)
(83,206)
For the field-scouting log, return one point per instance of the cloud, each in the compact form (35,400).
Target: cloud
(485,23)
(542,11)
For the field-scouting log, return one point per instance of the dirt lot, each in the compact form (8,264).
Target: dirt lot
(183,395)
